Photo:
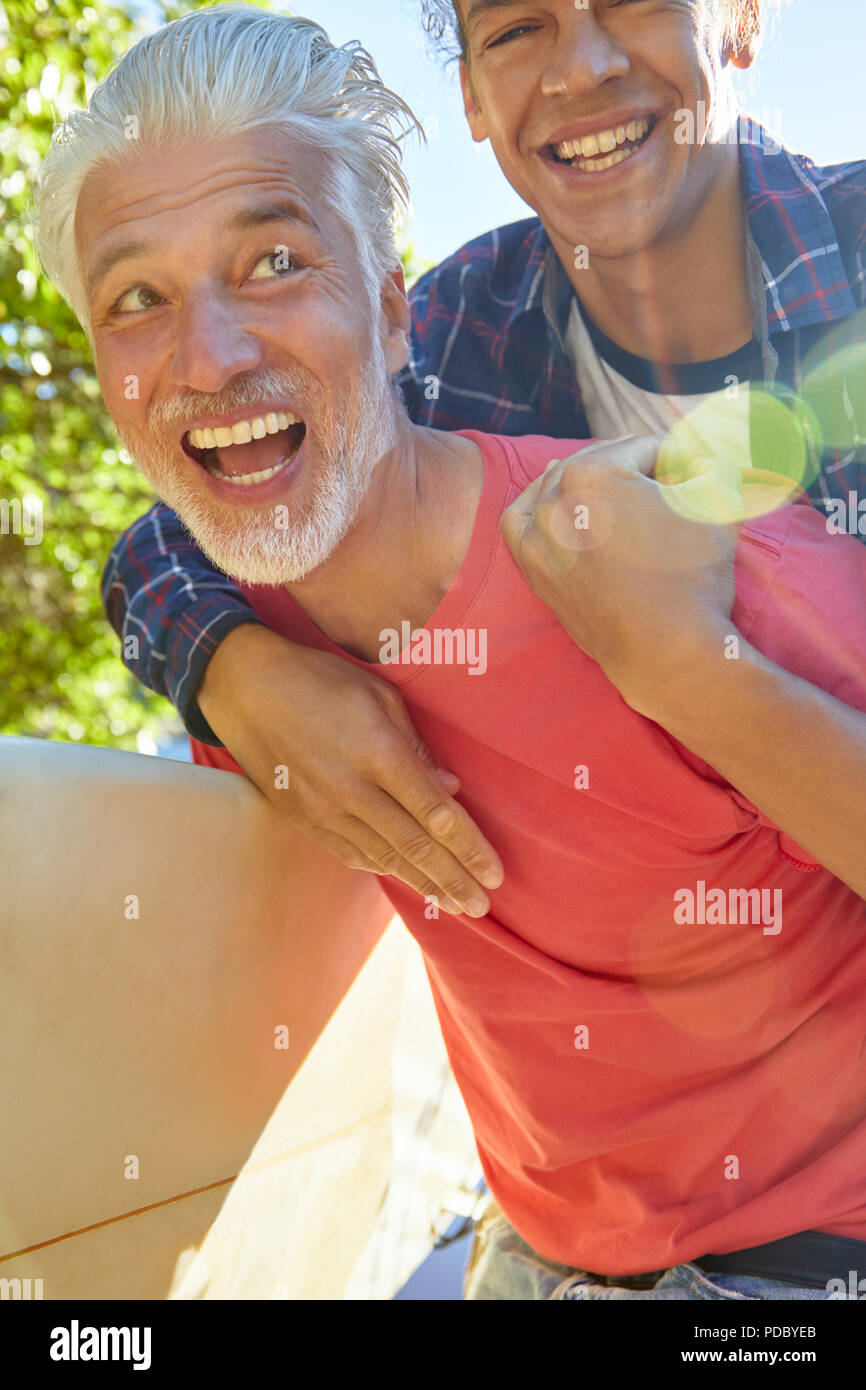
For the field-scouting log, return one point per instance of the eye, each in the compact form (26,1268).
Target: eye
(136,289)
(287,261)
(513,34)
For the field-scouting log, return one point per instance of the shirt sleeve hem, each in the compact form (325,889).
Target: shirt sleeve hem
(184,692)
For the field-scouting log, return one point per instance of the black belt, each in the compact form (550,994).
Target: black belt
(808,1260)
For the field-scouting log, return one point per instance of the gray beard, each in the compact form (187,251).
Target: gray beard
(284,542)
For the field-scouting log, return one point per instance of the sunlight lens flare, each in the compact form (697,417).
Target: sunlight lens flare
(834,385)
(739,455)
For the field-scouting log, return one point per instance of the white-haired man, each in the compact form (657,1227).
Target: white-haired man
(628,1012)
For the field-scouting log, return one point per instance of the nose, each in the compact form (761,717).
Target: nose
(212,345)
(583,57)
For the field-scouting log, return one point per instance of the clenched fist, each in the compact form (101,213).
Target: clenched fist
(636,570)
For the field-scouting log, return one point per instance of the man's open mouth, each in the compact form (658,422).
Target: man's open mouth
(251,450)
(604,148)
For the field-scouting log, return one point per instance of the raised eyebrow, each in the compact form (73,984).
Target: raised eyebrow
(281,210)
(126,251)
(278,210)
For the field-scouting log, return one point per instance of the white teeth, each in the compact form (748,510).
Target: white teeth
(247,478)
(245,430)
(598,164)
(604,142)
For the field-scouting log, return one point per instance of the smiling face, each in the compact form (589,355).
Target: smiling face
(580,106)
(236,347)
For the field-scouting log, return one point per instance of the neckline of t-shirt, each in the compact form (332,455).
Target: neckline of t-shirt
(470,579)
(668,378)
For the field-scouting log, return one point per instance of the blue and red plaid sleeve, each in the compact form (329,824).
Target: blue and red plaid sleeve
(171,608)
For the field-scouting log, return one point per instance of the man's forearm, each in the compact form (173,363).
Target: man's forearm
(796,752)
(171,608)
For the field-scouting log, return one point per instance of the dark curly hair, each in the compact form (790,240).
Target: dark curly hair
(444,27)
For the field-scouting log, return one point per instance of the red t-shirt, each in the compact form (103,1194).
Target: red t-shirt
(644,1088)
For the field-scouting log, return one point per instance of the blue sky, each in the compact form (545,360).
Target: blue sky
(808,86)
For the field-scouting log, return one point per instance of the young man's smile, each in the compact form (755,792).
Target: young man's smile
(597,151)
(581,105)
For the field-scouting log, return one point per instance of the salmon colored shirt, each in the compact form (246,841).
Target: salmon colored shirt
(644,1089)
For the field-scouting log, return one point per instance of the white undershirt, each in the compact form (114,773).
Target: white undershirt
(616,406)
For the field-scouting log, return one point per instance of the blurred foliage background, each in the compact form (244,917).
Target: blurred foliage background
(60,672)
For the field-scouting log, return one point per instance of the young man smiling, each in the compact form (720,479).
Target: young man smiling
(660,217)
(705,262)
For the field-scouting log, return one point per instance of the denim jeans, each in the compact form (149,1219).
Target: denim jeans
(502,1265)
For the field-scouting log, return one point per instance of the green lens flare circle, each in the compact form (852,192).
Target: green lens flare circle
(743,452)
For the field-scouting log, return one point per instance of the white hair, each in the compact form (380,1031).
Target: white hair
(223,71)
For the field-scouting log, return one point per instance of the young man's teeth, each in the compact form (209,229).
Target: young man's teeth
(616,158)
(256,427)
(605,142)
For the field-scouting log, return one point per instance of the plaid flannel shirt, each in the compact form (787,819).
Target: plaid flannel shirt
(488,352)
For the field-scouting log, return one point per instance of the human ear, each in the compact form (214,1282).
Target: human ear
(477,123)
